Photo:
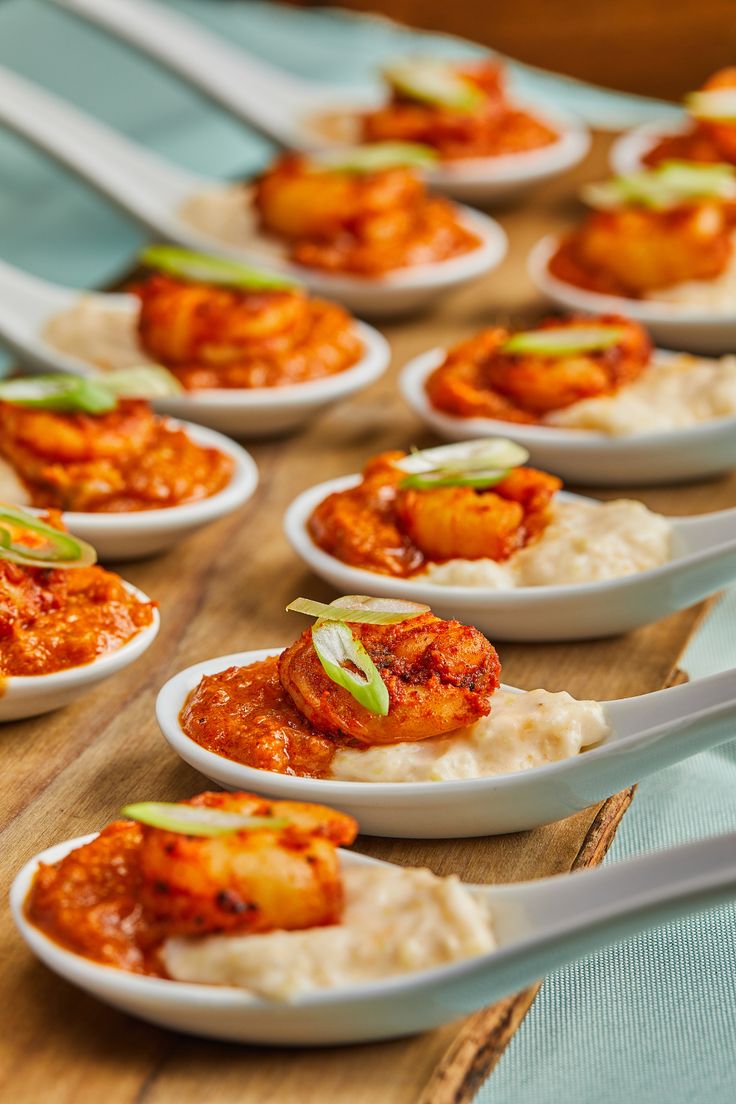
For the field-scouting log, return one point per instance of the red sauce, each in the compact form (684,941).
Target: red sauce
(51,620)
(127,459)
(244,714)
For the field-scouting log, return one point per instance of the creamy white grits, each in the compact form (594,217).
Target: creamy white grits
(227,214)
(523,730)
(585,542)
(671,393)
(102,336)
(11,487)
(396,921)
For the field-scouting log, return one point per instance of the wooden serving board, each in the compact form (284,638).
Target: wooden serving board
(223,591)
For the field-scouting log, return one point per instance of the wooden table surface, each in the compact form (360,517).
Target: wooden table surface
(223,591)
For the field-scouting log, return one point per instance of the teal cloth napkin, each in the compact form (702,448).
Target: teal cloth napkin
(654,1019)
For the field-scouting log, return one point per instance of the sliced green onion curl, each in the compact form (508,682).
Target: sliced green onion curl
(144,381)
(668,185)
(374,157)
(480,463)
(563,341)
(57,549)
(360,609)
(717,104)
(436,82)
(66,394)
(195,820)
(336,646)
(201,267)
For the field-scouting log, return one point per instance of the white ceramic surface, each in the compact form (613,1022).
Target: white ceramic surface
(140,533)
(281,105)
(153,191)
(648,733)
(704,560)
(539,926)
(583,456)
(27,304)
(674,325)
(32,695)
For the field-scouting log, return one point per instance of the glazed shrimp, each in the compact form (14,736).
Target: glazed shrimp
(45,435)
(477,379)
(462,523)
(440,675)
(183,322)
(250,881)
(633,250)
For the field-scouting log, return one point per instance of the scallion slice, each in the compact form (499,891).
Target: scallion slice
(144,381)
(196,820)
(65,394)
(373,158)
(203,268)
(48,547)
(716,104)
(432,481)
(479,463)
(336,646)
(563,341)
(668,185)
(359,609)
(435,82)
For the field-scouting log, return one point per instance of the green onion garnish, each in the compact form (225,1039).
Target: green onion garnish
(195,820)
(66,394)
(359,609)
(203,268)
(480,463)
(57,549)
(144,381)
(435,82)
(668,185)
(373,158)
(717,104)
(563,341)
(335,646)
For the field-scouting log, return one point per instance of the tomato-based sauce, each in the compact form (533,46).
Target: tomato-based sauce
(127,459)
(51,619)
(381,527)
(222,337)
(244,714)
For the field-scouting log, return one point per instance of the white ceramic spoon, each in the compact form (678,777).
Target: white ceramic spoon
(703,560)
(286,108)
(27,304)
(154,192)
(139,533)
(32,695)
(539,927)
(696,328)
(629,150)
(586,456)
(648,733)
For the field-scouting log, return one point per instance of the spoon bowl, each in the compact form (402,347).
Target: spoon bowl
(703,561)
(27,305)
(288,110)
(538,925)
(675,325)
(586,456)
(648,733)
(32,695)
(155,192)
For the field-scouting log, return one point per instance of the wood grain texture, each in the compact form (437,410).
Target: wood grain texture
(225,590)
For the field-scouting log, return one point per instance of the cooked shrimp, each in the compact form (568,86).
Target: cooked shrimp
(706,140)
(250,881)
(366,223)
(462,523)
(181,322)
(632,251)
(26,593)
(477,379)
(43,435)
(440,675)
(723,133)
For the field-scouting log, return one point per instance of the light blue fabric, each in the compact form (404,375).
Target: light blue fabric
(647,1022)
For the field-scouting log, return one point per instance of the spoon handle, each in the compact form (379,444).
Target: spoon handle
(704,702)
(135,179)
(267,98)
(542,925)
(705,532)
